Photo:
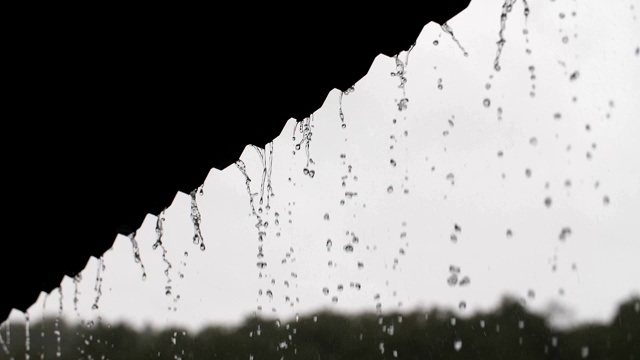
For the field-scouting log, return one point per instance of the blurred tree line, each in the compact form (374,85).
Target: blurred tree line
(509,332)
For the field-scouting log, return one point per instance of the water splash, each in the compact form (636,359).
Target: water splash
(98,287)
(447,29)
(196,218)
(506,9)
(136,254)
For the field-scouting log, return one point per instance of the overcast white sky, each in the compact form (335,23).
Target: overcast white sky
(596,265)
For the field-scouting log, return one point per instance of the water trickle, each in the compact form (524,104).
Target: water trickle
(506,8)
(196,218)
(447,29)
(98,286)
(56,330)
(158,243)
(76,281)
(27,339)
(136,254)
(4,346)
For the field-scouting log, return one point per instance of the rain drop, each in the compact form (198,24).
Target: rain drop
(457,345)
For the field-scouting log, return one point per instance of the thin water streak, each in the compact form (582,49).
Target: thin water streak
(447,29)
(196,218)
(136,254)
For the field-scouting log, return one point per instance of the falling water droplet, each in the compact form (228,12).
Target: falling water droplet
(564,233)
(452,280)
(457,345)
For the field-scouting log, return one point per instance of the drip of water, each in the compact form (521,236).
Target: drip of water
(98,287)
(158,243)
(42,339)
(196,218)
(341,113)
(27,338)
(506,8)
(136,254)
(447,29)
(269,187)
(57,324)
(4,346)
(76,280)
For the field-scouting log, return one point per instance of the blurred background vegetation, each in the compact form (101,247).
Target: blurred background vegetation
(509,332)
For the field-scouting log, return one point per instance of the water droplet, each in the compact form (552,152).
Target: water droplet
(334,299)
(465,281)
(452,280)
(348,248)
(531,294)
(509,233)
(457,345)
(527,172)
(574,76)
(486,102)
(390,189)
(605,200)
(533,141)
(329,244)
(547,201)
(453,238)
(462,305)
(565,39)
(326,216)
(585,352)
(392,162)
(564,233)
(202,247)
(261,264)
(435,42)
